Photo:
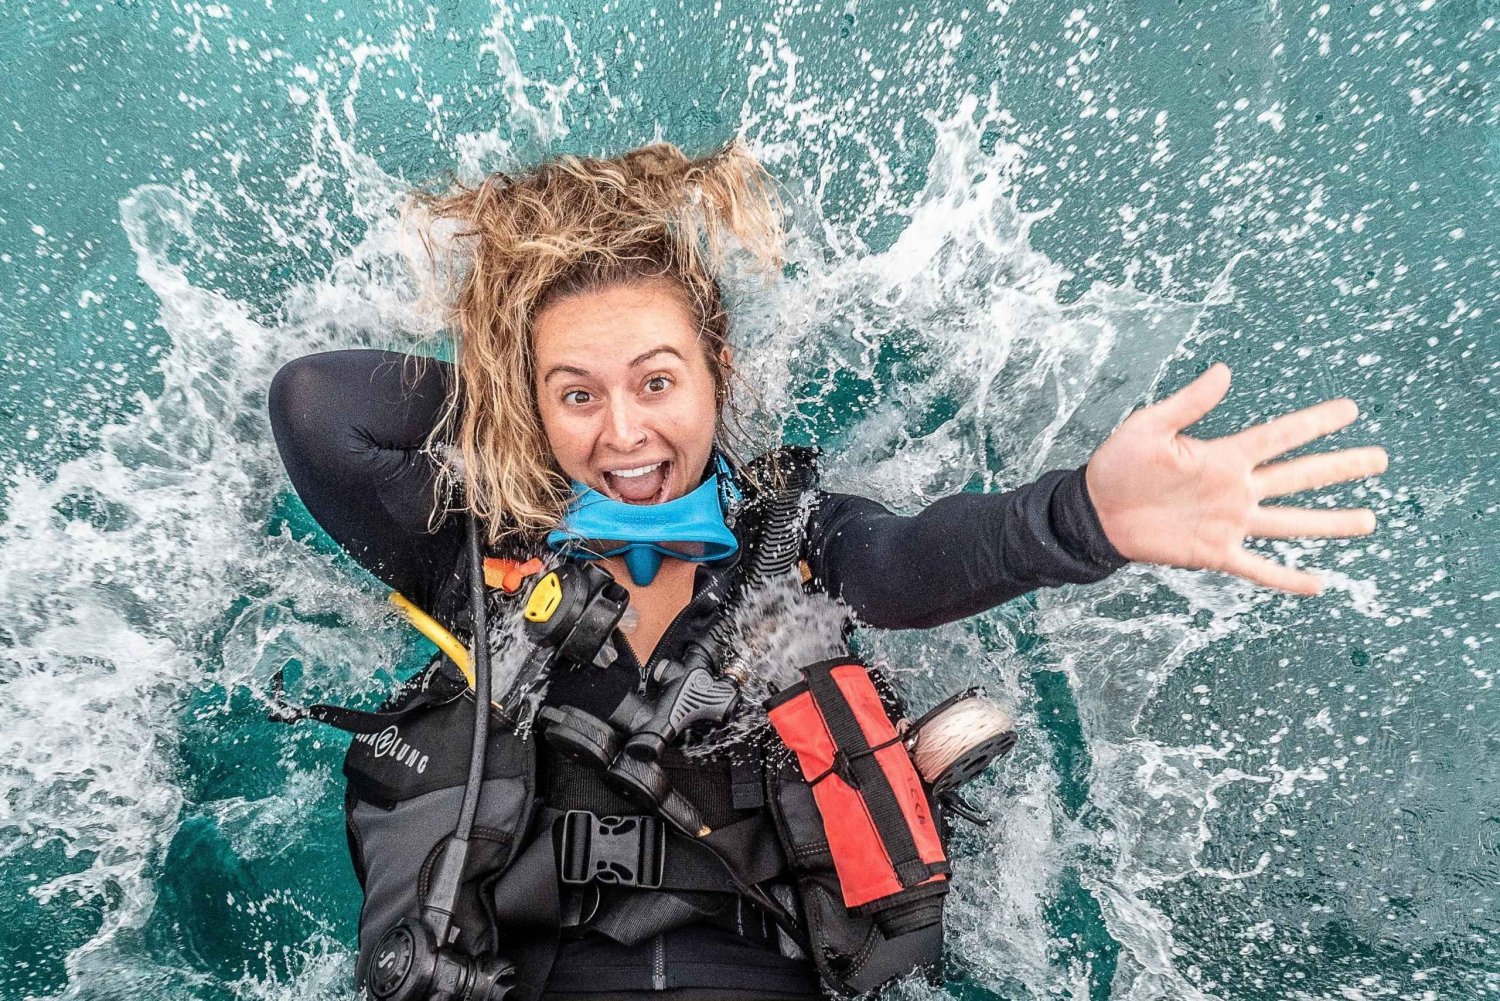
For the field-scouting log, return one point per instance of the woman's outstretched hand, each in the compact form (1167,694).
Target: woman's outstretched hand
(1164,497)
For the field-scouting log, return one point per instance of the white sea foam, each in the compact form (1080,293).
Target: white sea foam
(107,614)
(121,567)
(975,310)
(976,372)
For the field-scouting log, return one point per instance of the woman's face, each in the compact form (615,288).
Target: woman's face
(626,397)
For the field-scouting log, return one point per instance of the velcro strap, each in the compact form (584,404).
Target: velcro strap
(747,784)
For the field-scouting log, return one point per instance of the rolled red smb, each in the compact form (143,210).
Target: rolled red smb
(881,831)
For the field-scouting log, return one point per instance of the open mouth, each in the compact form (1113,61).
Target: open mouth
(645,484)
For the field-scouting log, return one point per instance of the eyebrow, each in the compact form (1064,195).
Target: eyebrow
(637,360)
(564,370)
(664,349)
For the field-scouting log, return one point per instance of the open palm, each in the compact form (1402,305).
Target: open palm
(1163,497)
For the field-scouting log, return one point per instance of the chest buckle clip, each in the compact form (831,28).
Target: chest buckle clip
(621,851)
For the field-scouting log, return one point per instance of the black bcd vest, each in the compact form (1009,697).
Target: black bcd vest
(543,816)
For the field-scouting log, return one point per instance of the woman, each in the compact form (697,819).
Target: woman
(593,375)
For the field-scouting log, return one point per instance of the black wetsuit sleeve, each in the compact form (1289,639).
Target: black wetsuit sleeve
(351,427)
(960,556)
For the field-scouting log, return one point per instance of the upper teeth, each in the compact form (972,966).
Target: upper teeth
(637,471)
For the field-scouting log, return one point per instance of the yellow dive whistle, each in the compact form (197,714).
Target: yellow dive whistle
(433,630)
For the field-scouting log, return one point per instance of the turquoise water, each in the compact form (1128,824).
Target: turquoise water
(1012,223)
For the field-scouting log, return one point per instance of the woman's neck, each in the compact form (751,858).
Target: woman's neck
(656,604)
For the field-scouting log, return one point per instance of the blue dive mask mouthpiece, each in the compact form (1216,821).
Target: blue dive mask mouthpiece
(692,527)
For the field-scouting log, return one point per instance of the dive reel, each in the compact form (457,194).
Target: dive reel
(954,742)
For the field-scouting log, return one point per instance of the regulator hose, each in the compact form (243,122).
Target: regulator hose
(448,873)
(776,551)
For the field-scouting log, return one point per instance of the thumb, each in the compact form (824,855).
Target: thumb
(1192,402)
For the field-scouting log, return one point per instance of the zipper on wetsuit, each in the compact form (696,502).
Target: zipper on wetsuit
(626,654)
(709,592)
(659,963)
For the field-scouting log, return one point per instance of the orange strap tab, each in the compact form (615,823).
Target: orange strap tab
(508,575)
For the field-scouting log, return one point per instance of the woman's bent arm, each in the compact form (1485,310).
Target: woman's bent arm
(962,555)
(351,426)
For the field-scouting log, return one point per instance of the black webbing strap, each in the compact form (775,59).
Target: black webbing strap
(869,778)
(841,760)
(692,868)
(747,781)
(528,909)
(632,919)
(750,847)
(436,689)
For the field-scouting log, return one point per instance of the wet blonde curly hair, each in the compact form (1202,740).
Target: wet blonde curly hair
(570,226)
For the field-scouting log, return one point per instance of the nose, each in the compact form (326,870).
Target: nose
(626,430)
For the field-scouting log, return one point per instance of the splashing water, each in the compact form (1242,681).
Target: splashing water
(1010,224)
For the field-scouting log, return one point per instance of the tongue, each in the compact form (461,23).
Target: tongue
(640,489)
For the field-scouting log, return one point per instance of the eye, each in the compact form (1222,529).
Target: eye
(578,397)
(658,384)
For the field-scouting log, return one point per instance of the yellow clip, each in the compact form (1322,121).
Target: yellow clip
(545,598)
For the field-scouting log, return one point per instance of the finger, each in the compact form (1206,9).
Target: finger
(1268,440)
(1311,523)
(1269,573)
(1309,472)
(1189,404)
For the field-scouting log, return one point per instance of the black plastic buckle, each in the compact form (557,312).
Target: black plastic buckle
(622,851)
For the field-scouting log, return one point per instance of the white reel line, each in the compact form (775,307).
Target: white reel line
(959,738)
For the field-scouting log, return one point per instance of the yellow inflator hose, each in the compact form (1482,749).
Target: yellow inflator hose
(429,627)
(446,641)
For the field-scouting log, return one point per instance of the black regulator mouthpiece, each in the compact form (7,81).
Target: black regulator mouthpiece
(628,744)
(569,616)
(573,610)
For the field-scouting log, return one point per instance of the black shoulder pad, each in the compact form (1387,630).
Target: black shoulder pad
(790,466)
